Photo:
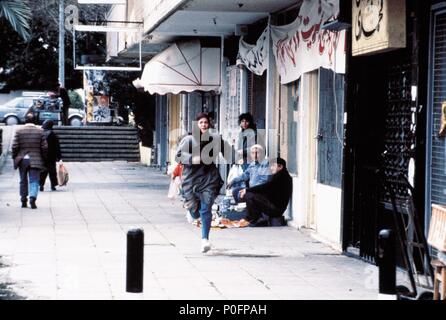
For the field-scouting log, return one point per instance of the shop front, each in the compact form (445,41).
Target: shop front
(436,114)
(186,79)
(385,153)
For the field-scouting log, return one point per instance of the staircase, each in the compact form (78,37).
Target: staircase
(92,144)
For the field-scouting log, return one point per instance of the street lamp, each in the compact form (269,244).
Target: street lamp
(62,43)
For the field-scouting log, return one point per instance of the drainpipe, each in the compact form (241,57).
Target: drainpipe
(243,90)
(184,113)
(270,90)
(62,43)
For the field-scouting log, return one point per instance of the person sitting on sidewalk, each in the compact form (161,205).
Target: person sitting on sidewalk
(29,152)
(258,172)
(267,202)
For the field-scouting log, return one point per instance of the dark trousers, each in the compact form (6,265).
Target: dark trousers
(259,207)
(52,172)
(65,117)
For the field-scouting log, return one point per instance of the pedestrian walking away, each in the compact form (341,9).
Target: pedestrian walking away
(54,156)
(29,152)
(198,152)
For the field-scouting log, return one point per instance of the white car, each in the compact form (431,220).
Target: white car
(76,117)
(14,111)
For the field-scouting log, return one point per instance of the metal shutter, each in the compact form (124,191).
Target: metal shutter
(331,126)
(438,150)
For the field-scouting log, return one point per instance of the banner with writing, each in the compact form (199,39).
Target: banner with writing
(303,46)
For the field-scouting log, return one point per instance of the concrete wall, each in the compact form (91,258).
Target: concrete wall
(328,213)
(155,10)
(115,40)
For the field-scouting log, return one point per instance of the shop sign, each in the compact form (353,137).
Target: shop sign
(378,26)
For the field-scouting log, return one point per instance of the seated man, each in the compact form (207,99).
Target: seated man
(258,172)
(268,201)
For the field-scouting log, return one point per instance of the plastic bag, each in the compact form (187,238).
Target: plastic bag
(236,171)
(174,188)
(62,175)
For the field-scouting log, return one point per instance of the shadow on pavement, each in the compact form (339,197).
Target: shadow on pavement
(228,253)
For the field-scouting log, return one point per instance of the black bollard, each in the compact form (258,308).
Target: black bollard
(387,265)
(135,260)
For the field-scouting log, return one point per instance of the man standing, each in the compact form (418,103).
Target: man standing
(267,202)
(63,94)
(29,152)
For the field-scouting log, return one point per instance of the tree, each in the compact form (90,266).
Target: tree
(33,64)
(18,14)
(76,100)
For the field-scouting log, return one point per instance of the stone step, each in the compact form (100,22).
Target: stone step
(99,144)
(93,146)
(68,152)
(101,160)
(97,137)
(94,128)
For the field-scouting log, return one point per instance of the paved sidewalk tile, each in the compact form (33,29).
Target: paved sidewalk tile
(74,246)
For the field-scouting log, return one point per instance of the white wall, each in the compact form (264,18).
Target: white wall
(328,200)
(328,213)
(115,40)
(156,10)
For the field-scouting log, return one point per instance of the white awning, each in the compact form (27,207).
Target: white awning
(183,67)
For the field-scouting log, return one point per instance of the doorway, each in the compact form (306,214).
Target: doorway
(311,110)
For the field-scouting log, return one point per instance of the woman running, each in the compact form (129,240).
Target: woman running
(198,152)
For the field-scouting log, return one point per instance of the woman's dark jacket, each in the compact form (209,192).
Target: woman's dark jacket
(203,176)
(54,153)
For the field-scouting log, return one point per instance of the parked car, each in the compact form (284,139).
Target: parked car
(14,111)
(49,108)
(76,117)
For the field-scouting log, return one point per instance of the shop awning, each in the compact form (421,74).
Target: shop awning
(183,67)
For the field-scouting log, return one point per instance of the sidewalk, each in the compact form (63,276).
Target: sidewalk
(74,246)
(7,133)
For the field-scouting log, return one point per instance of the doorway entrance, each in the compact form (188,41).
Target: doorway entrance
(310,129)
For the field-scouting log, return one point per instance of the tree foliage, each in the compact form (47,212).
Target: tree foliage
(18,14)
(33,64)
(76,100)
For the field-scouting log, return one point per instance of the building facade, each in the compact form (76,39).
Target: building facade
(351,110)
(302,116)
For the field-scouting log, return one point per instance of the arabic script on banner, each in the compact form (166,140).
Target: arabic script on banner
(303,46)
